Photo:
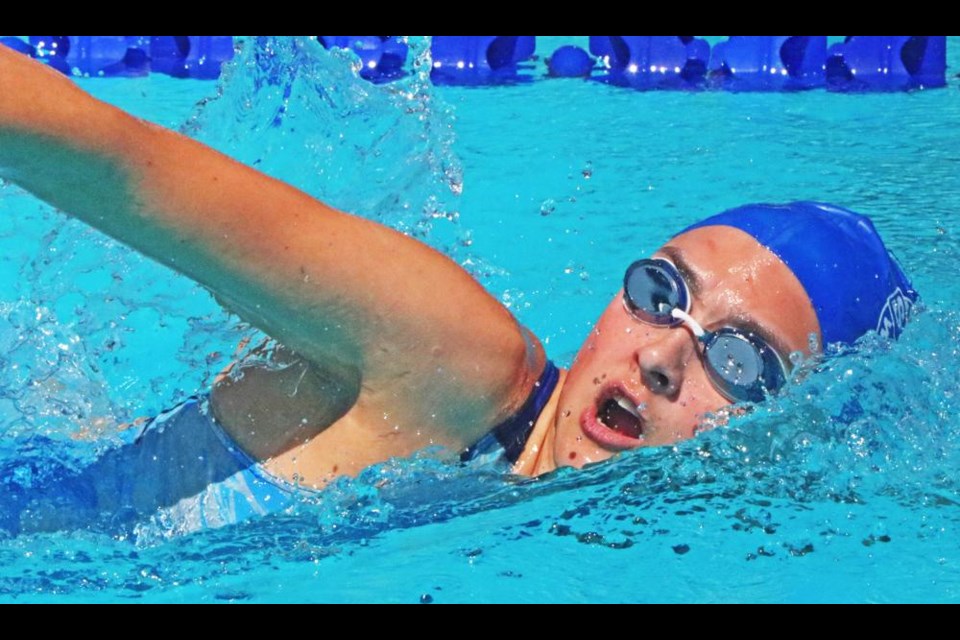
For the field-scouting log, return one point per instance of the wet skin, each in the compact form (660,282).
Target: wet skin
(372,369)
(735,282)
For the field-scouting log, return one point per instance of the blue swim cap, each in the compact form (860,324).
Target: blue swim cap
(854,283)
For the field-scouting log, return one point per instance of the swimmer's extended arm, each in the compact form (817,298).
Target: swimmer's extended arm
(353,296)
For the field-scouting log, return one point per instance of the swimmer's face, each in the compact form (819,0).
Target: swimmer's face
(734,281)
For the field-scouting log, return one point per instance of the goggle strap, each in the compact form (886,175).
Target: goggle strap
(692,324)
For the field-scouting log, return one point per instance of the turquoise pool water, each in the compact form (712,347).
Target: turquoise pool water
(840,489)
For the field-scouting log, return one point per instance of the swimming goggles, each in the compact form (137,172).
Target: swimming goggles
(740,364)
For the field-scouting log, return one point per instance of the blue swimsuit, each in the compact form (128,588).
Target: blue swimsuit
(508,439)
(181,472)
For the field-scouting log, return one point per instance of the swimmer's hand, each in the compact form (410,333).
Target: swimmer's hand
(363,302)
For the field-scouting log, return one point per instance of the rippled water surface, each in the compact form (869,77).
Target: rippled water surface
(843,488)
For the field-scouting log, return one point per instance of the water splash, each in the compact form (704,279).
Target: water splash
(804,498)
(103,335)
(300,113)
(838,464)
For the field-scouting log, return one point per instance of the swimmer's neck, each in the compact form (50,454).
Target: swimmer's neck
(537,457)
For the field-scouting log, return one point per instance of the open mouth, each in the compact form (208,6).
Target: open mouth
(621,415)
(615,421)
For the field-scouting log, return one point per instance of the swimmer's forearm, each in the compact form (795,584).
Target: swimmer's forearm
(227,226)
(175,200)
(339,289)
(58,142)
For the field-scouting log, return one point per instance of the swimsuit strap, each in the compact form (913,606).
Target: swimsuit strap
(511,435)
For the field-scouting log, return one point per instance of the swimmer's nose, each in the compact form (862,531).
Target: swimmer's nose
(663,361)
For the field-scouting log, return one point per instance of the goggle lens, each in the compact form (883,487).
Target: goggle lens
(653,289)
(741,365)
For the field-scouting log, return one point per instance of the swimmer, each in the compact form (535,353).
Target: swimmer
(390,347)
